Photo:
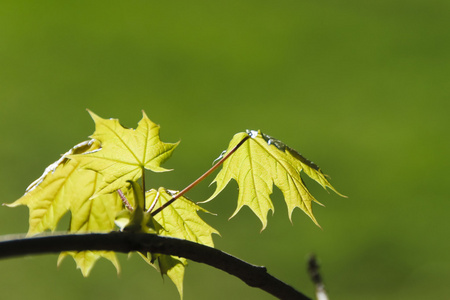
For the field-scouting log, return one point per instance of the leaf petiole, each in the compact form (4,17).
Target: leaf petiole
(154,202)
(125,200)
(206,174)
(143,185)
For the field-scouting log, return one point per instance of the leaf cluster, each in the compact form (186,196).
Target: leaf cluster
(97,181)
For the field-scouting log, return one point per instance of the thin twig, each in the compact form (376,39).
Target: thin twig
(314,274)
(143,186)
(206,174)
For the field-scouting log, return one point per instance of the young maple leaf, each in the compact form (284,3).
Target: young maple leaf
(261,162)
(93,215)
(179,220)
(58,191)
(124,152)
(49,197)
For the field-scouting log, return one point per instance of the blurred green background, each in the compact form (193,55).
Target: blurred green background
(360,87)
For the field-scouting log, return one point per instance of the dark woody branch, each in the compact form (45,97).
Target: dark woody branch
(125,242)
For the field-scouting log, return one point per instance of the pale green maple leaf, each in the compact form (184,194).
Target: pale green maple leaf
(58,191)
(49,197)
(124,152)
(261,162)
(93,215)
(179,220)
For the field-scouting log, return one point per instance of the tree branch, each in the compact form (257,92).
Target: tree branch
(125,242)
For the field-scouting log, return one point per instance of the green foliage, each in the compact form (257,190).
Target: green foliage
(261,162)
(125,152)
(97,182)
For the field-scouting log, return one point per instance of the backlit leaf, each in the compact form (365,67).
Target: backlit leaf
(173,267)
(49,197)
(125,152)
(86,260)
(261,162)
(66,187)
(93,215)
(179,220)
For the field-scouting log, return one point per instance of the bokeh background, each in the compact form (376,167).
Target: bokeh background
(360,87)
